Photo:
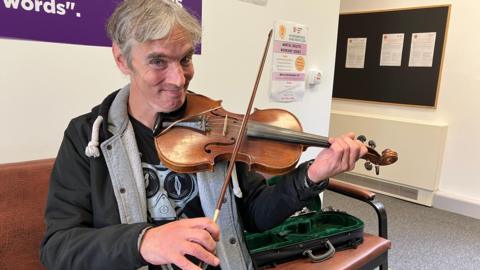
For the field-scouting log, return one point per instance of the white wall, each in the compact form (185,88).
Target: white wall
(458,102)
(43,85)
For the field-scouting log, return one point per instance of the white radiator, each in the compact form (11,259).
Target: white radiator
(420,146)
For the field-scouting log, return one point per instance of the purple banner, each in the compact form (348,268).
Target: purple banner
(73,22)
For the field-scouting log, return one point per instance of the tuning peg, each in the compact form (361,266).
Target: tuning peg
(362,138)
(368,165)
(377,169)
(372,144)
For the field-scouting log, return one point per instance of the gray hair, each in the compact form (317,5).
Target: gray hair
(143,20)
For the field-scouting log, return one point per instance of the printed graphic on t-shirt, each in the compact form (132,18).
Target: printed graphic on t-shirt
(167,192)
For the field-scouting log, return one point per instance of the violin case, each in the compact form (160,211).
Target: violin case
(311,233)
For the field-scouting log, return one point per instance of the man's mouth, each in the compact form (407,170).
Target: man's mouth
(171,92)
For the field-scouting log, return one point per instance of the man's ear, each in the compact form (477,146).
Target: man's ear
(120,60)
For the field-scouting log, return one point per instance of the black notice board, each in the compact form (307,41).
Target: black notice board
(399,84)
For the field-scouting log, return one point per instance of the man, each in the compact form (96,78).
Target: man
(115,206)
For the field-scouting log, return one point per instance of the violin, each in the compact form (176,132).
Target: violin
(272,144)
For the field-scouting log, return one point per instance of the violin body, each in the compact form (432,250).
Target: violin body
(212,136)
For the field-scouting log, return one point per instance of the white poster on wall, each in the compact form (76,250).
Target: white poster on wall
(391,52)
(422,49)
(288,61)
(356,48)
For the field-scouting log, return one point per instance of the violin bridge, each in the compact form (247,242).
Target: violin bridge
(225,124)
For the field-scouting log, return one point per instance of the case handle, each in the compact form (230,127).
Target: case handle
(322,257)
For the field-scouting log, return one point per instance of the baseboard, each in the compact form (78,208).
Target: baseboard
(459,204)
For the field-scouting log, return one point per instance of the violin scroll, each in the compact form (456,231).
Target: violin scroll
(372,157)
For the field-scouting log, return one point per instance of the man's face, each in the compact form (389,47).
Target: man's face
(160,72)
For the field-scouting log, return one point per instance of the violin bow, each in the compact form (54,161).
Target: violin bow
(238,143)
(241,133)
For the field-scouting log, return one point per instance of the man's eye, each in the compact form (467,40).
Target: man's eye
(158,62)
(187,60)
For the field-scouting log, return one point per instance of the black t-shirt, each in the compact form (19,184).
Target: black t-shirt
(170,195)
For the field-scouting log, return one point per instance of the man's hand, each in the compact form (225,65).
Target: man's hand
(339,157)
(170,243)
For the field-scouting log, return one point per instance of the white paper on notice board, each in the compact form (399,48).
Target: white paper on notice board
(422,49)
(392,47)
(356,48)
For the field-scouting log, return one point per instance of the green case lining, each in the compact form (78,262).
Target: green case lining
(302,228)
(297,229)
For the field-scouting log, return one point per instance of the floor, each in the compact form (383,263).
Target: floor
(422,237)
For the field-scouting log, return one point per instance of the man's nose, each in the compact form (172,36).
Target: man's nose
(175,75)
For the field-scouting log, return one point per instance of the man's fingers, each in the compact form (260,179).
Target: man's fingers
(351,135)
(201,237)
(183,263)
(355,149)
(205,224)
(345,153)
(363,149)
(336,149)
(200,253)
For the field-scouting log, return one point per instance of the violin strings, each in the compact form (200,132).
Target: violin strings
(219,124)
